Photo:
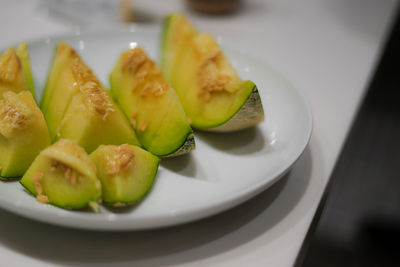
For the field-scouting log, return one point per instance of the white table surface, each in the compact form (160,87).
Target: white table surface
(327,49)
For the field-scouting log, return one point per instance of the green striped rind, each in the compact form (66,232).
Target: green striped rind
(10,179)
(249,114)
(186,147)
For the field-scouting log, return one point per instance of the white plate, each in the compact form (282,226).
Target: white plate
(223,171)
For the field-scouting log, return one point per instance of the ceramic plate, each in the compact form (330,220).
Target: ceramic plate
(223,171)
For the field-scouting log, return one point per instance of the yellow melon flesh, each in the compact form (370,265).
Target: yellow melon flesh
(23,133)
(11,72)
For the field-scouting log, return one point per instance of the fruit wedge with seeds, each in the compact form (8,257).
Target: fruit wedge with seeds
(92,118)
(15,70)
(63,175)
(151,104)
(211,92)
(23,133)
(77,106)
(126,173)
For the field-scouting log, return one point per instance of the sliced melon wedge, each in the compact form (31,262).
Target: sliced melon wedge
(126,173)
(23,133)
(63,175)
(15,70)
(211,92)
(151,104)
(77,107)
(11,72)
(93,119)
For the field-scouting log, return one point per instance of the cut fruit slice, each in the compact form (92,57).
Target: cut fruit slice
(126,173)
(60,86)
(76,106)
(23,55)
(212,94)
(91,117)
(63,175)
(11,72)
(151,104)
(92,123)
(23,133)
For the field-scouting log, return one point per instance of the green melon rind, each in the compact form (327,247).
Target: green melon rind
(188,145)
(10,179)
(68,207)
(249,114)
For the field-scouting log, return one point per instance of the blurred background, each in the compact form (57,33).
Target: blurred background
(104,12)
